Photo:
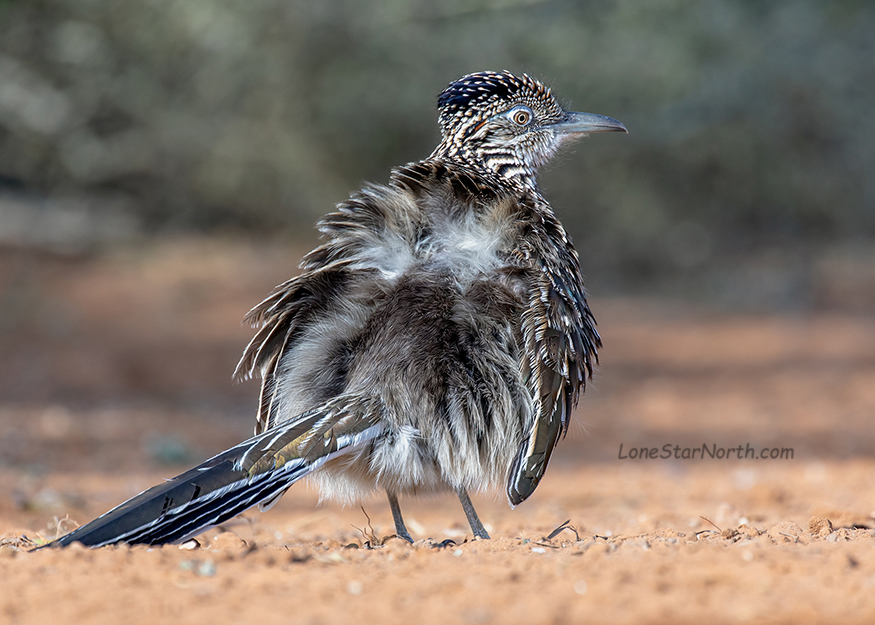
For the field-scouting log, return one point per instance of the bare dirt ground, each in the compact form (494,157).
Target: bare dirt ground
(115,373)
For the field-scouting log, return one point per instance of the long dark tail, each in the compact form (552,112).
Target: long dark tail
(257,471)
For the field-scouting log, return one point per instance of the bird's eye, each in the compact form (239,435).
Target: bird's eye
(522,117)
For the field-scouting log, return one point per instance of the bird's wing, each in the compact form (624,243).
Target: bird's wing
(374,213)
(257,471)
(280,318)
(561,345)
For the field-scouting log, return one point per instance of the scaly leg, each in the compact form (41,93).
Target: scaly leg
(471,513)
(400,528)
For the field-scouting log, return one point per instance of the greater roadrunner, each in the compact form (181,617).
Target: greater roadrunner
(436,341)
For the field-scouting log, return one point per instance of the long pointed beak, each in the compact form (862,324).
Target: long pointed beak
(575,123)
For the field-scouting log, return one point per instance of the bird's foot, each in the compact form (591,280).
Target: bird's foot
(403,536)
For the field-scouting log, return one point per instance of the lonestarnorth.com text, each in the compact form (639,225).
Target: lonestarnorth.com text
(705,452)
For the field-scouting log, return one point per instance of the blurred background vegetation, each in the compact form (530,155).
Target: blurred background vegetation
(747,177)
(163,163)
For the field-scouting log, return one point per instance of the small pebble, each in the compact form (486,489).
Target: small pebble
(819,526)
(206,569)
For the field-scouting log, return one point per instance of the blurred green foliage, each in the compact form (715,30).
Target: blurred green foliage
(751,122)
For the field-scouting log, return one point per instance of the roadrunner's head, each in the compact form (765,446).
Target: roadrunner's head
(509,125)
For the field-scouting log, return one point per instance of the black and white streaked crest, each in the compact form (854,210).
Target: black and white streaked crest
(500,122)
(475,92)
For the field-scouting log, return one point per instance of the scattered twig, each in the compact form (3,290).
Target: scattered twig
(719,529)
(371,538)
(565,526)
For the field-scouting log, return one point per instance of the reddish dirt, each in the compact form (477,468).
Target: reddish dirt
(116,374)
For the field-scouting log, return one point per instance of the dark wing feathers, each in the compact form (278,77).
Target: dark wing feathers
(561,345)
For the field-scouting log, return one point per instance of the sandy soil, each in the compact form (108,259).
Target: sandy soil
(115,374)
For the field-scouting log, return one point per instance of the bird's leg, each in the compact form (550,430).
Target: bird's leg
(471,513)
(400,528)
